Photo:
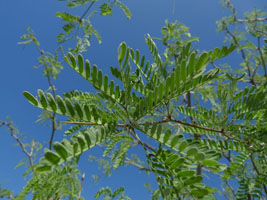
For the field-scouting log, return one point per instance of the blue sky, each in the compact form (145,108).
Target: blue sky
(17,72)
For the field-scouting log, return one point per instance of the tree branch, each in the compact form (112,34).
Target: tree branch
(91,123)
(54,95)
(87,10)
(196,137)
(22,146)
(242,54)
(222,131)
(257,19)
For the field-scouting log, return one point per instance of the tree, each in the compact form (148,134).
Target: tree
(204,117)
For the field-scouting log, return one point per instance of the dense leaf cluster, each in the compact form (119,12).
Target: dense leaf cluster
(203,118)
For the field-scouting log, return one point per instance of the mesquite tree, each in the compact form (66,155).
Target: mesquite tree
(204,117)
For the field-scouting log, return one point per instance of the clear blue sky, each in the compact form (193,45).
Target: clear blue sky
(17,72)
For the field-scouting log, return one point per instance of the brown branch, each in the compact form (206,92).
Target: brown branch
(53,119)
(144,144)
(53,130)
(243,55)
(90,123)
(222,131)
(53,114)
(12,132)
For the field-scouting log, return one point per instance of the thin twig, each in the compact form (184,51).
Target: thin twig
(257,172)
(232,8)
(222,131)
(12,132)
(86,11)
(261,56)
(53,116)
(196,136)
(53,130)
(228,157)
(242,54)
(144,144)
(140,167)
(82,181)
(90,123)
(230,187)
(260,31)
(81,18)
(258,19)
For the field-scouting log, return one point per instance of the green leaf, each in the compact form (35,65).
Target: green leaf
(177,163)
(77,3)
(43,168)
(60,149)
(210,163)
(30,98)
(87,68)
(61,104)
(121,51)
(199,192)
(67,17)
(175,140)
(202,60)
(191,64)
(105,9)
(51,102)
(183,145)
(81,142)
(124,8)
(117,92)
(80,63)
(52,157)
(87,112)
(105,83)
(94,74)
(171,158)
(42,98)
(72,60)
(100,78)
(186,173)
(192,151)
(193,180)
(70,107)
(78,110)
(199,156)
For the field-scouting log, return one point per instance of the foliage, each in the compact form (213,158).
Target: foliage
(203,117)
(109,195)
